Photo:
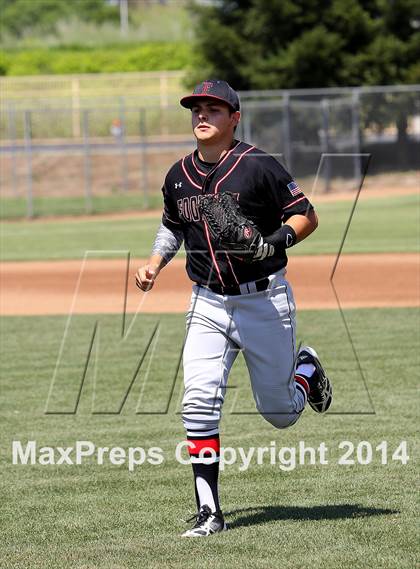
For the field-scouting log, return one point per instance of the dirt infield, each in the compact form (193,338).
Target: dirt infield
(41,288)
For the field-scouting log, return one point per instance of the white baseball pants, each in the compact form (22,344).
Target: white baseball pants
(262,325)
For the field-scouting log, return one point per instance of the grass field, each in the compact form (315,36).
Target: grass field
(16,208)
(382,224)
(325,516)
(88,516)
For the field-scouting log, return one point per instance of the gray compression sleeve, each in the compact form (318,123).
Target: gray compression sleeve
(167,242)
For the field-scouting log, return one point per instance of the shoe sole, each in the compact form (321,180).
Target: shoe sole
(191,534)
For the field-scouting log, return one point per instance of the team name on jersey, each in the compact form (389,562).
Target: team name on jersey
(188,207)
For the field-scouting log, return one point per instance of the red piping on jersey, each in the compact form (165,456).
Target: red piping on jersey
(228,154)
(195,165)
(212,253)
(201,188)
(232,168)
(293,203)
(203,173)
(187,175)
(231,268)
(217,189)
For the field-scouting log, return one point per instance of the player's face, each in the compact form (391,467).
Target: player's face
(212,121)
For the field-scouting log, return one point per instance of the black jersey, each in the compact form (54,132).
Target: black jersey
(267,195)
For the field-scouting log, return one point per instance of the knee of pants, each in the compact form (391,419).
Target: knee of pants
(201,408)
(281,420)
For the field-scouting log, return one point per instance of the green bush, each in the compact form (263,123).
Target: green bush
(141,57)
(4,63)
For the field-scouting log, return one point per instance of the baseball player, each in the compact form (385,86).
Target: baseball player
(237,303)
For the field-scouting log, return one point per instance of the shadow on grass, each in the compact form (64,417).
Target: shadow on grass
(264,514)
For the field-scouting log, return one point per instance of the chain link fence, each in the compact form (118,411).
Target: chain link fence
(325,131)
(120,147)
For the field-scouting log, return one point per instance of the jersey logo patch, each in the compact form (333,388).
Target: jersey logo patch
(294,189)
(178,185)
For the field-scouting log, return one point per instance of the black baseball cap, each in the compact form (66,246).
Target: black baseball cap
(212,89)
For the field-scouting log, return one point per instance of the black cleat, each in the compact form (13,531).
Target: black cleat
(206,523)
(320,388)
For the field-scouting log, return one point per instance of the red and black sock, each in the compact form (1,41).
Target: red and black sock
(204,454)
(303,376)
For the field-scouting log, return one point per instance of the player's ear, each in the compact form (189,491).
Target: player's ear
(236,117)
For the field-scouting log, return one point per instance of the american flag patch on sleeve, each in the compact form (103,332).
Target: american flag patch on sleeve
(294,189)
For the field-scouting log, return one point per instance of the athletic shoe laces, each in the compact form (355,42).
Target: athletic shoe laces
(201,516)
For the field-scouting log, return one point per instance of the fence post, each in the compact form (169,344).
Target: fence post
(355,124)
(87,162)
(240,129)
(123,148)
(164,103)
(246,129)
(325,142)
(123,17)
(28,153)
(287,143)
(12,136)
(143,161)
(163,88)
(75,103)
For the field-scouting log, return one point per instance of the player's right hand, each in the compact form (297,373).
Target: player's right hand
(145,277)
